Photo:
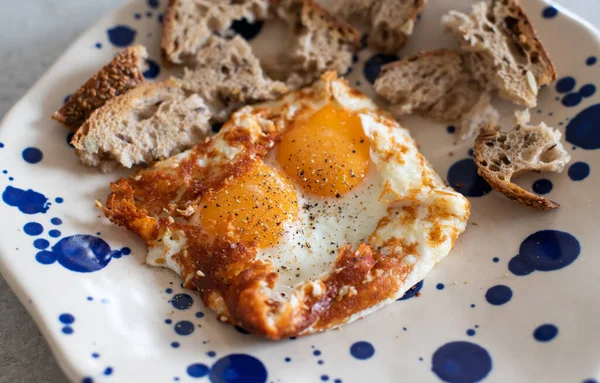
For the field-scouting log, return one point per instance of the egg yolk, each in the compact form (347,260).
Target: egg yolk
(254,207)
(327,154)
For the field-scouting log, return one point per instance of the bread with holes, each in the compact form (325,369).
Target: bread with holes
(502,50)
(390,22)
(121,74)
(501,156)
(150,122)
(436,85)
(320,42)
(227,76)
(188,24)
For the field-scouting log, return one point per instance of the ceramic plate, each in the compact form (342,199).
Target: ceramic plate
(516,301)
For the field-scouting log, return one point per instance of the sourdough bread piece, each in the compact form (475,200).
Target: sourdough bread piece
(122,73)
(500,156)
(391,22)
(188,24)
(502,50)
(150,122)
(321,42)
(227,76)
(436,85)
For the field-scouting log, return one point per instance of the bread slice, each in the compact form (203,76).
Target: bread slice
(150,122)
(227,75)
(122,73)
(502,50)
(188,24)
(321,42)
(500,156)
(436,85)
(391,22)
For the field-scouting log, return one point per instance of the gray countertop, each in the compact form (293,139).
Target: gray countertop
(34,34)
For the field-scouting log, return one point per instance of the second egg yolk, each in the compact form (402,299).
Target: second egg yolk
(255,207)
(327,154)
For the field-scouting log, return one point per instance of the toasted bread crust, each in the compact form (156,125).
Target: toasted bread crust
(122,73)
(530,42)
(166,41)
(509,189)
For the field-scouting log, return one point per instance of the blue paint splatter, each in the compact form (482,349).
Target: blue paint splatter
(80,253)
(545,250)
(197,370)
(373,65)
(168,321)
(471,332)
(324,378)
(32,155)
(572,99)
(579,171)
(66,318)
(169,290)
(362,350)
(496,259)
(59,200)
(238,368)
(95,355)
(90,298)
(211,354)
(451,129)
(175,344)
(1,145)
(153,69)
(41,244)
(591,61)
(549,12)
(412,291)
(498,295)
(137,15)
(153,3)
(463,177)
(545,332)
(87,379)
(108,371)
(33,228)
(461,362)
(247,30)
(67,330)
(588,90)
(182,301)
(199,314)
(121,35)
(439,286)
(54,233)
(582,130)
(98,45)
(542,186)
(316,353)
(565,84)
(590,381)
(184,327)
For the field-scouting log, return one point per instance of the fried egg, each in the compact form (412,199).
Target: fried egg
(300,215)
